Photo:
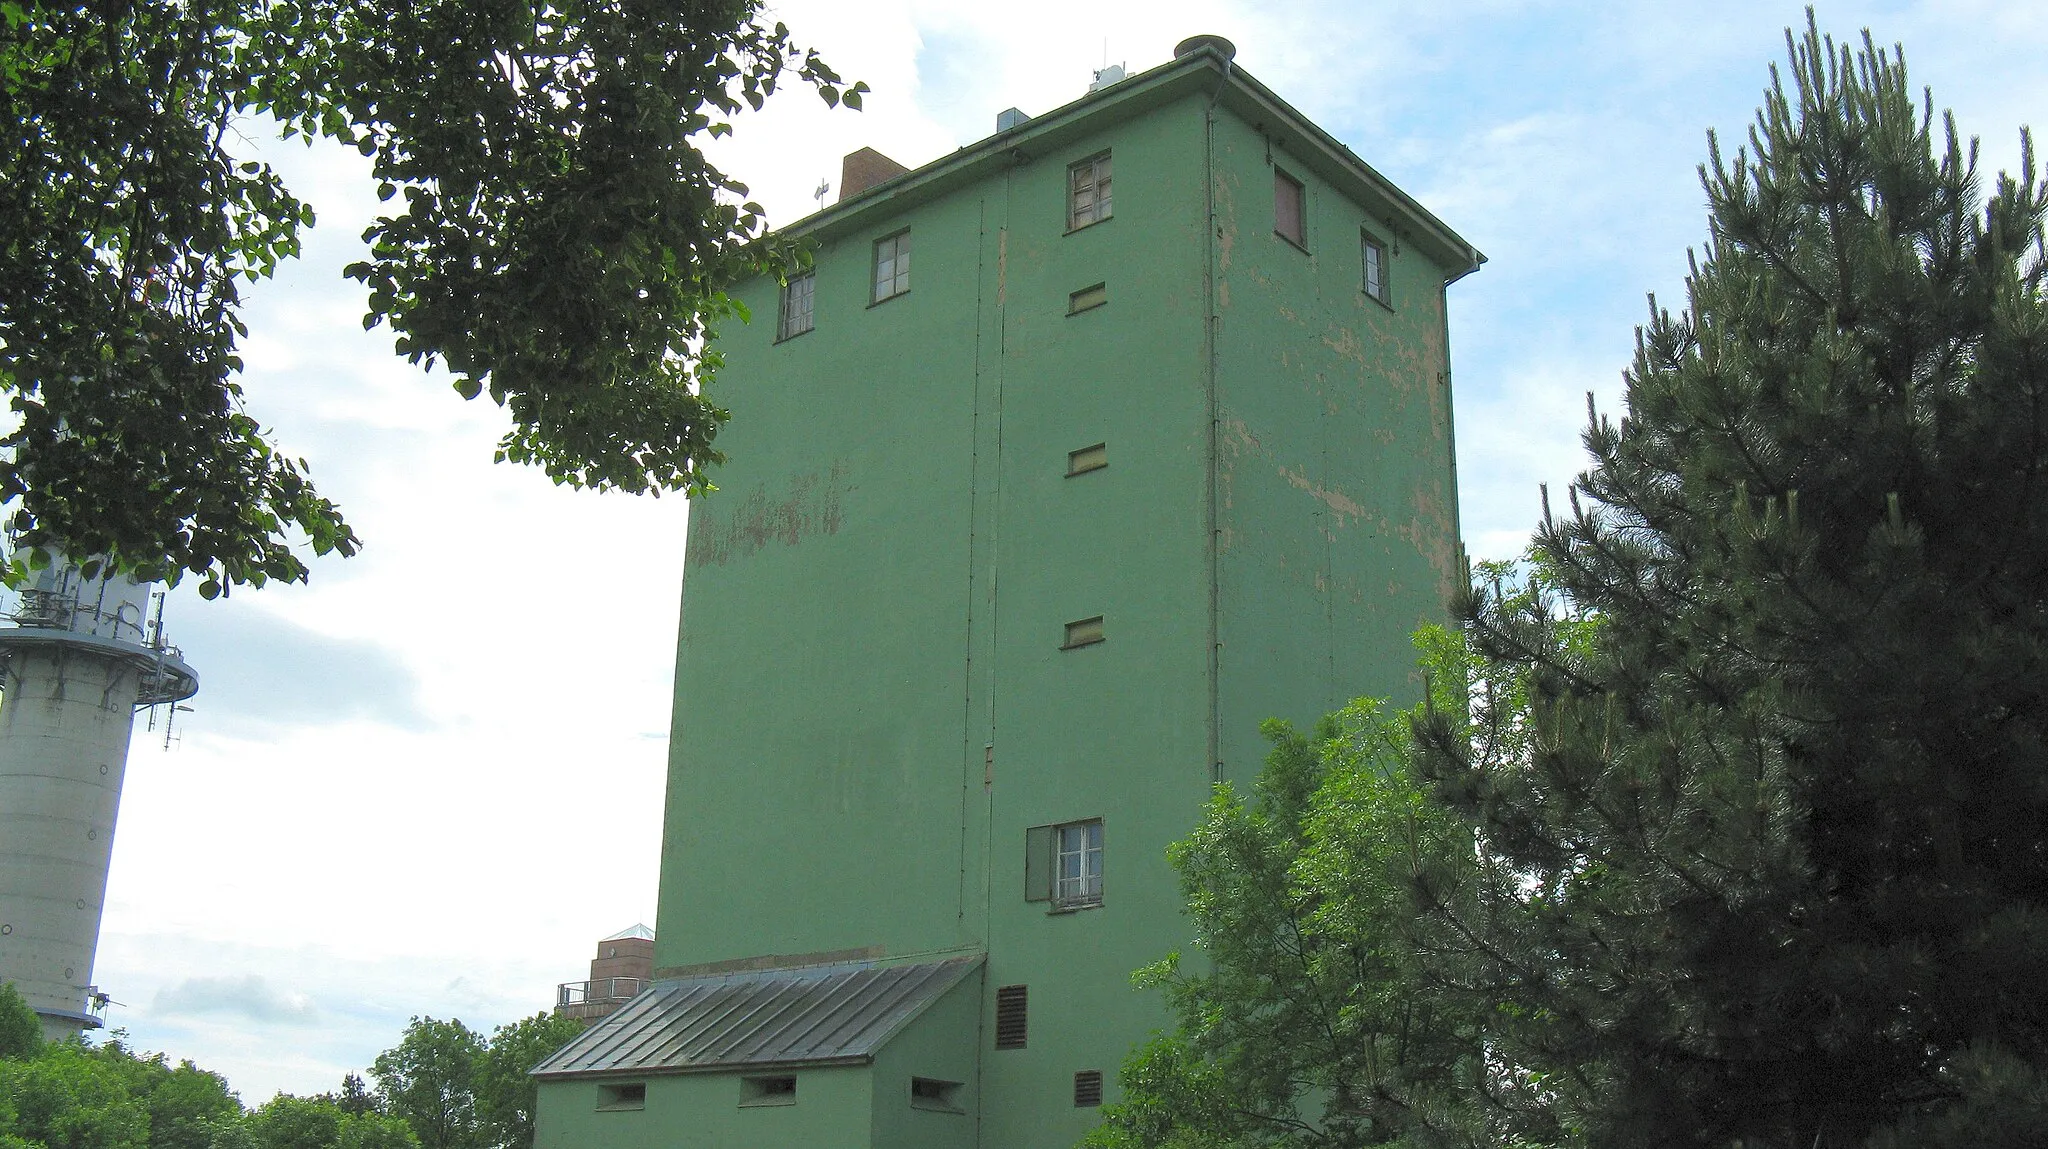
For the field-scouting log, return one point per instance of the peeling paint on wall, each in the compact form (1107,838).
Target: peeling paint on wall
(1337,501)
(810,506)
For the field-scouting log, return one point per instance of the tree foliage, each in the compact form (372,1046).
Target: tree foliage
(429,1080)
(21,1031)
(1752,755)
(505,1095)
(556,239)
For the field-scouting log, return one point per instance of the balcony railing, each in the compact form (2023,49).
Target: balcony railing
(593,999)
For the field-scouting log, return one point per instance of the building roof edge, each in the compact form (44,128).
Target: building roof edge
(1244,94)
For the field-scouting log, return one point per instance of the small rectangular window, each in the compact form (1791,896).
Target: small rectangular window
(1077,865)
(1087,459)
(1083,632)
(1374,258)
(1088,298)
(892,266)
(779,1089)
(612,1097)
(1087,1089)
(1088,192)
(1289,215)
(1011,1013)
(796,305)
(928,1093)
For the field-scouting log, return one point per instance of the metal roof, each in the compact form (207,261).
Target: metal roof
(636,931)
(827,1013)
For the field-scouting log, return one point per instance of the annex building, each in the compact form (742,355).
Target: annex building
(1077,454)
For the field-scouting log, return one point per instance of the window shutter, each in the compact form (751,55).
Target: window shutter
(1038,863)
(1087,1089)
(1010,1016)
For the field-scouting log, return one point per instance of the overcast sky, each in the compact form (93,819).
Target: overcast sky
(428,782)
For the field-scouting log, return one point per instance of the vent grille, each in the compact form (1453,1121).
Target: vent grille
(1088,1089)
(1010,1016)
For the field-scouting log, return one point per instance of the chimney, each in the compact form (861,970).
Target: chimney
(864,169)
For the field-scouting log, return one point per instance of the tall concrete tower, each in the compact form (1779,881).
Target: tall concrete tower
(82,656)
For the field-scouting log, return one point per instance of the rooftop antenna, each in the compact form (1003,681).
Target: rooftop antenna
(819,194)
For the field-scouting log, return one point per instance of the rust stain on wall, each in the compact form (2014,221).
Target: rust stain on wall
(811,506)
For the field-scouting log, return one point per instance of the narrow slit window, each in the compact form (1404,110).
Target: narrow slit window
(622,1095)
(1012,1007)
(779,1089)
(1087,1089)
(1289,215)
(1083,632)
(928,1093)
(1087,459)
(1373,255)
(796,305)
(892,266)
(1088,192)
(1088,298)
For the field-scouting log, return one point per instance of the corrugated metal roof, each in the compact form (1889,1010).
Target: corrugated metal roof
(828,1013)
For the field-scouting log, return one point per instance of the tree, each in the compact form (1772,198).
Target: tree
(1321,1016)
(1753,753)
(505,1095)
(68,1097)
(558,240)
(429,1080)
(21,1031)
(287,1122)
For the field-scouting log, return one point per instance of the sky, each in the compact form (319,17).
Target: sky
(427,782)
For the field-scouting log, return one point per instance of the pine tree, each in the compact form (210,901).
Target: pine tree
(1768,852)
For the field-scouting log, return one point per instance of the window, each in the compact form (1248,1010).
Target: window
(1012,1002)
(1088,192)
(1063,865)
(1087,459)
(1077,870)
(1083,632)
(1088,298)
(1288,215)
(624,1095)
(1087,1089)
(927,1093)
(777,1090)
(796,305)
(892,266)
(1375,261)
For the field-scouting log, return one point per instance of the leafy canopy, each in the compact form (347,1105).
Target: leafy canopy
(556,239)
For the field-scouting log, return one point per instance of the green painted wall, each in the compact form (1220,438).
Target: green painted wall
(939,1045)
(833,1110)
(872,705)
(1336,484)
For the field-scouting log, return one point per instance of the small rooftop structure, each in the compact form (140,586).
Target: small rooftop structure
(623,967)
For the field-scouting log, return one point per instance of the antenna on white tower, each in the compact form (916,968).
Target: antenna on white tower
(81,656)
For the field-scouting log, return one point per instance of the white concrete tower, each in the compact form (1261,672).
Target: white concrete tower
(82,656)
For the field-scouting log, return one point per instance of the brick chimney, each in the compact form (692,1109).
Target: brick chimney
(864,169)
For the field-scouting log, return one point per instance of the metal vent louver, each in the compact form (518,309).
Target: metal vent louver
(1010,1016)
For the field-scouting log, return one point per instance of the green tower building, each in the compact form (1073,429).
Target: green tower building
(1080,452)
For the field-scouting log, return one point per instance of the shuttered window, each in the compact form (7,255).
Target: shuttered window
(1088,192)
(1010,1016)
(1288,213)
(1088,1089)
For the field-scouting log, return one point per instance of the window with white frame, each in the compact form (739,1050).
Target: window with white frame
(892,266)
(796,305)
(1375,261)
(1088,192)
(1063,864)
(1077,864)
